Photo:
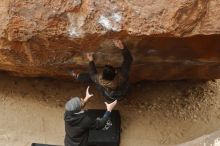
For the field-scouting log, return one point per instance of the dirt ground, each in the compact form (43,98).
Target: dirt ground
(154,114)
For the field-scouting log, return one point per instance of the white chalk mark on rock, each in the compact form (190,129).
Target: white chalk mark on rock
(73,32)
(105,22)
(75,29)
(117,17)
(111,22)
(217,142)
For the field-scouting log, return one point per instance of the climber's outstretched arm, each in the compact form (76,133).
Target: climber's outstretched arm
(127,58)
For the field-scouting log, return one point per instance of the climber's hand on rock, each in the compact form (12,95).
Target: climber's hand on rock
(72,73)
(118,44)
(90,56)
(75,75)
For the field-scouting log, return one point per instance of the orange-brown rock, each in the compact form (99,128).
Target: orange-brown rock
(169,39)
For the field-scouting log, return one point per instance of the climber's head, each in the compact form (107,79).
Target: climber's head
(109,73)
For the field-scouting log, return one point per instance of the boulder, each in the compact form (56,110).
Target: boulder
(169,40)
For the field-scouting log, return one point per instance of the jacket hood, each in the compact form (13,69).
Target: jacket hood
(73,117)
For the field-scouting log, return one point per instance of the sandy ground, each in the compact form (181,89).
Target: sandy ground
(154,114)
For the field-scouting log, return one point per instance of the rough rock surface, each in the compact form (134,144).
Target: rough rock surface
(168,39)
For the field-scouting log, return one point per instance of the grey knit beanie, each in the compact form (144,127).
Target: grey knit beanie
(73,105)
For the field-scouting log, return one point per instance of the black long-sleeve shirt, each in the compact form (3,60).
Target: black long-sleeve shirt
(126,65)
(120,79)
(124,68)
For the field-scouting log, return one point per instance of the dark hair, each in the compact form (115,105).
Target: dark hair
(108,73)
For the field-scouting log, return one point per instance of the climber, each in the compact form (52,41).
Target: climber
(112,82)
(78,122)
